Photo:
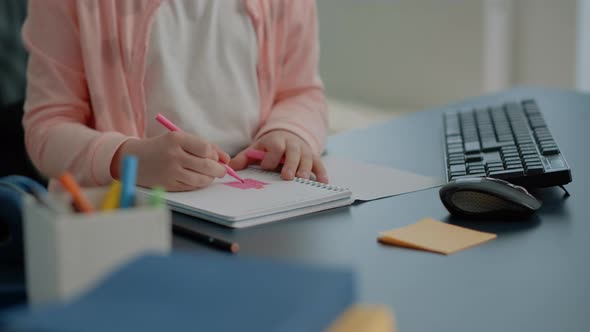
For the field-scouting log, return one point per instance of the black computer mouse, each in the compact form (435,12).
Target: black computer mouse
(487,198)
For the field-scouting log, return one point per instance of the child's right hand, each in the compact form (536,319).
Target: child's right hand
(177,161)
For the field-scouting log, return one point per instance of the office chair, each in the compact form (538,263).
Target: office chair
(15,160)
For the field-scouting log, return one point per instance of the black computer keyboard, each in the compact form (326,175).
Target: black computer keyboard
(510,142)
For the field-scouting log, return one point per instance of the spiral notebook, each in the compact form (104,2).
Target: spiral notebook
(263,198)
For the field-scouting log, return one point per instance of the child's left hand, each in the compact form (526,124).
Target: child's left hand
(299,160)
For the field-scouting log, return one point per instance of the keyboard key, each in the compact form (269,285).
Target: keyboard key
(523,135)
(473,157)
(476,169)
(508,158)
(506,174)
(456,156)
(530,155)
(495,169)
(472,147)
(526,146)
(513,107)
(546,141)
(548,145)
(534,165)
(512,160)
(512,157)
(494,162)
(550,151)
(509,148)
(537,121)
(490,145)
(532,160)
(457,169)
(524,141)
(475,165)
(537,169)
(452,125)
(482,174)
(454,146)
(528,151)
(513,165)
(541,132)
(454,139)
(510,154)
(530,107)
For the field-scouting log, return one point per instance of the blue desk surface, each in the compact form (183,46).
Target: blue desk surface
(534,277)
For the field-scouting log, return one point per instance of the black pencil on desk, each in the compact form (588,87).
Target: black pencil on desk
(205,239)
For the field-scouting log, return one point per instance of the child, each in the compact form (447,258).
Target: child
(233,74)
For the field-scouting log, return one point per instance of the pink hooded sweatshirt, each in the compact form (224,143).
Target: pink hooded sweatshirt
(85,93)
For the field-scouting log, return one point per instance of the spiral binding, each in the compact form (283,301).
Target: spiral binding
(320,185)
(307,182)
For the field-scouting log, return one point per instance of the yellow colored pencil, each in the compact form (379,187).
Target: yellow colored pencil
(111,201)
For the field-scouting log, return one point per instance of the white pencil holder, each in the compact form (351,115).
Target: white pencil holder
(67,253)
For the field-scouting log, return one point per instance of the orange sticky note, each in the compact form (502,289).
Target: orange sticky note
(436,236)
(364,318)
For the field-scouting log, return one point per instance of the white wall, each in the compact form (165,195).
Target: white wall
(419,53)
(403,54)
(583,46)
(545,36)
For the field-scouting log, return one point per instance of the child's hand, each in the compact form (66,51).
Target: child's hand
(299,160)
(177,161)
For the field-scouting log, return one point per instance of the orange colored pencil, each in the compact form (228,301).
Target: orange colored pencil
(80,200)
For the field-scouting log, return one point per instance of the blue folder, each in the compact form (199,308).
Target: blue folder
(183,292)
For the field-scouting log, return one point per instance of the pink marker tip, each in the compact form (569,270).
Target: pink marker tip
(232,173)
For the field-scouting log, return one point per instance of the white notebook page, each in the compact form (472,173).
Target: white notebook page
(368,182)
(265,194)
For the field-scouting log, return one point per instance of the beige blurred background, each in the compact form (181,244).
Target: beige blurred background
(382,58)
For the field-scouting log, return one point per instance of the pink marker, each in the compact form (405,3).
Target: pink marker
(259,155)
(232,173)
(167,123)
(172,127)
